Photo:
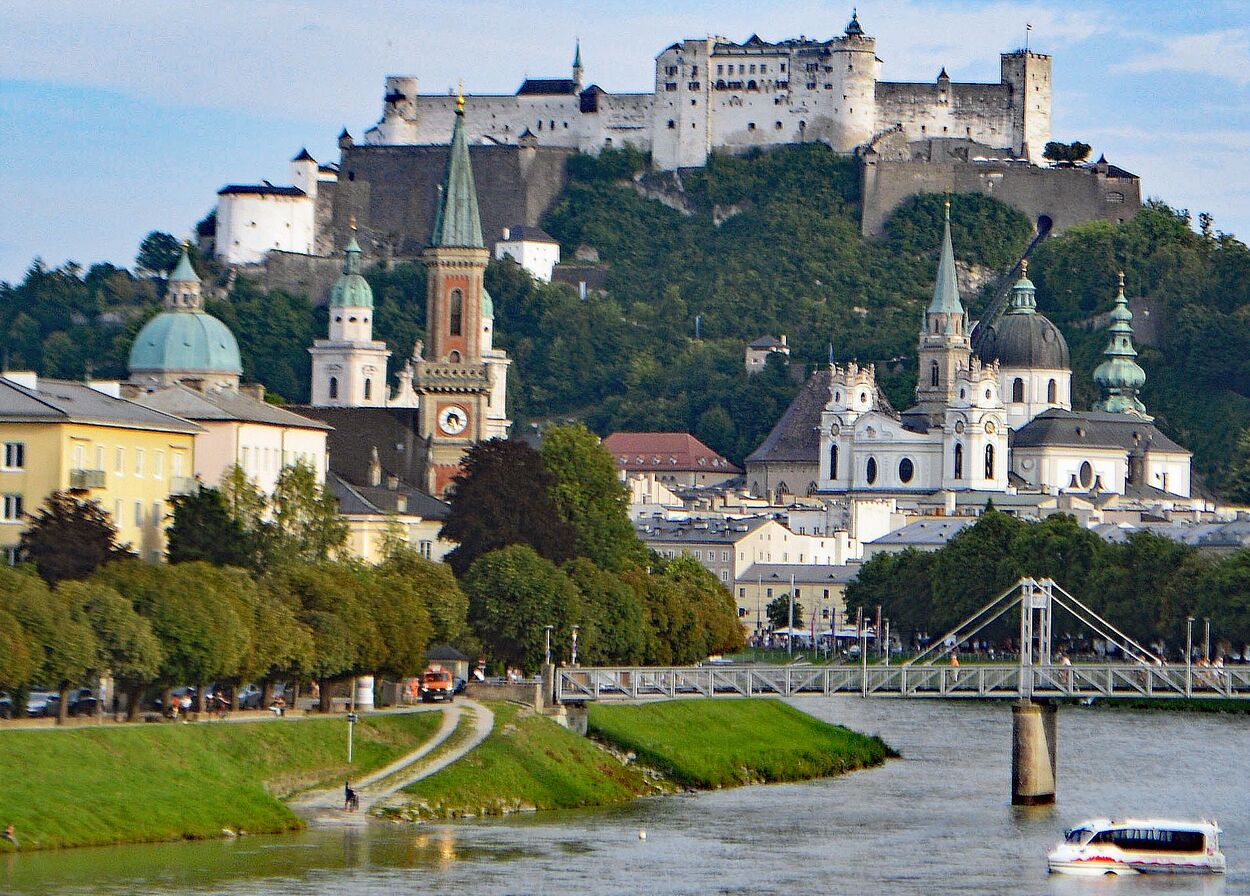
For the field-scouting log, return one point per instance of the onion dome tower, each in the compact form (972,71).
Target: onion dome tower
(349,368)
(184,343)
(1034,364)
(1120,376)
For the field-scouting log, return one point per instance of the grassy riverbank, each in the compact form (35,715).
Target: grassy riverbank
(529,762)
(724,743)
(135,783)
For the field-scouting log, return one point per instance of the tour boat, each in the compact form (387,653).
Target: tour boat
(1138,845)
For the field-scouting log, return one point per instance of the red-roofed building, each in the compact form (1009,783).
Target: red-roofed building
(676,458)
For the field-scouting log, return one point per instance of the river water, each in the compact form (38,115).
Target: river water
(937,821)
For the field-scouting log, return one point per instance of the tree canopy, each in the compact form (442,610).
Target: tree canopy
(70,539)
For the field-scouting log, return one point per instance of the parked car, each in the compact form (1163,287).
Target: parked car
(437,684)
(6,707)
(250,697)
(37,703)
(459,684)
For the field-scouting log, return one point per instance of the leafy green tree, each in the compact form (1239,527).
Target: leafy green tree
(976,566)
(1073,152)
(501,497)
(778,612)
(126,647)
(17,660)
(21,650)
(204,529)
(70,539)
(513,594)
(590,497)
(158,253)
(901,584)
(397,607)
(306,522)
(445,602)
(613,618)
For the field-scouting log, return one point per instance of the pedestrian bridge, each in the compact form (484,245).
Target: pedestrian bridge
(1080,681)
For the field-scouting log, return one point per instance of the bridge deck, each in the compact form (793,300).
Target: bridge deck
(967,682)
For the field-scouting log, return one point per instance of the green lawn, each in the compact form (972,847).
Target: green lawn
(528,761)
(720,743)
(93,786)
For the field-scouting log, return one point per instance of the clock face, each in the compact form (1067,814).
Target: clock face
(453,420)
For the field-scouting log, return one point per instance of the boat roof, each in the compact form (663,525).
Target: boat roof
(1165,824)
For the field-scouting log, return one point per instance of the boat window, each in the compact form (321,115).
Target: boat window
(1077,835)
(1153,840)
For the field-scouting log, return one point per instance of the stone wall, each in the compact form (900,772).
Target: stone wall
(393,192)
(1067,196)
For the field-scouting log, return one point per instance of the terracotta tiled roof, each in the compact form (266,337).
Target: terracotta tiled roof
(664,451)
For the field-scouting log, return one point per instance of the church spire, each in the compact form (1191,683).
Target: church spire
(1120,376)
(946,289)
(577,64)
(182,290)
(458,222)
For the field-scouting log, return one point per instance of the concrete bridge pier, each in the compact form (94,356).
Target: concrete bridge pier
(1034,737)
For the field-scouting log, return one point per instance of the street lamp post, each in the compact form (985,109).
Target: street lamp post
(1189,655)
(548,628)
(1206,652)
(574,657)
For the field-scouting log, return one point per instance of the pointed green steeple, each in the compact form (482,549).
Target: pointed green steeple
(458,222)
(1120,376)
(577,58)
(183,272)
(1024,293)
(351,290)
(946,289)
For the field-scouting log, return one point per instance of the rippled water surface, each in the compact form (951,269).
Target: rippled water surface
(937,821)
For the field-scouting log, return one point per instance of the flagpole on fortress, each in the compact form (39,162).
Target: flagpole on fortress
(1027,28)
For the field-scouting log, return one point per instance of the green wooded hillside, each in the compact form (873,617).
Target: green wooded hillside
(785,257)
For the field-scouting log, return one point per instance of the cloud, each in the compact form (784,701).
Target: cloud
(1224,54)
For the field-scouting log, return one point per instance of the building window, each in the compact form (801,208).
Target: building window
(175,464)
(1017,389)
(139,463)
(14,455)
(368,389)
(959,461)
(724,575)
(833,461)
(158,513)
(1052,391)
(158,464)
(906,470)
(455,317)
(334,387)
(871,473)
(427,549)
(12,508)
(119,462)
(1087,474)
(989,461)
(138,513)
(934,375)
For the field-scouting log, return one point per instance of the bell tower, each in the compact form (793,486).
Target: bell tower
(945,346)
(452,381)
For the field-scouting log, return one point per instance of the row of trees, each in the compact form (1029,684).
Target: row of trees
(1146,585)
(259,589)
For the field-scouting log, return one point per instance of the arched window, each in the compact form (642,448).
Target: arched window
(1017,389)
(989,461)
(454,357)
(833,461)
(368,389)
(334,387)
(959,461)
(455,314)
(782,488)
(1052,391)
(934,375)
(871,472)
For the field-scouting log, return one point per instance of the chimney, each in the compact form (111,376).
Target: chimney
(783,338)
(253,390)
(375,467)
(392,482)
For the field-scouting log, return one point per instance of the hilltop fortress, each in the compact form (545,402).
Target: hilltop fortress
(711,95)
(715,95)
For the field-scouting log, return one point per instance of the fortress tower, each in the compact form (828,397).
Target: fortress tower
(1027,76)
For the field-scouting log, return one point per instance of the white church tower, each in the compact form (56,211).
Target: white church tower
(349,368)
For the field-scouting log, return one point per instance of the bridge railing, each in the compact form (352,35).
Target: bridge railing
(974,681)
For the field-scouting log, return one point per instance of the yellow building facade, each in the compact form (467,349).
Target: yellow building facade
(57,435)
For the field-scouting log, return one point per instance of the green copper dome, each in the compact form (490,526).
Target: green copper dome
(193,341)
(351,290)
(488,305)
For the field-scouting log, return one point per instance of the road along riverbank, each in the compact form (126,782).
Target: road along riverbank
(529,763)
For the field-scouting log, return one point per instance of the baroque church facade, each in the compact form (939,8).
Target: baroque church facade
(994,420)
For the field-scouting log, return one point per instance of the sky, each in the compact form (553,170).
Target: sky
(118,118)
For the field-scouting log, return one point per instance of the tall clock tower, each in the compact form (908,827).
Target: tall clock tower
(454,380)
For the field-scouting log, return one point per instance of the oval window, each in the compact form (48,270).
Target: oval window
(871,473)
(906,470)
(1087,474)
